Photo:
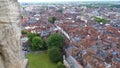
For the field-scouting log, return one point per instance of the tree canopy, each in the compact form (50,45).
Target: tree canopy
(55,54)
(99,20)
(55,40)
(24,32)
(37,43)
(31,36)
(52,19)
(60,10)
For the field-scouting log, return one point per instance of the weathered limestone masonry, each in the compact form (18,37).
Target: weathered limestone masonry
(10,46)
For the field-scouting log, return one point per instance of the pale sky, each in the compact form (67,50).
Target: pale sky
(60,0)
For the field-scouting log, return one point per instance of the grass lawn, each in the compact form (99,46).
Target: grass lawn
(40,60)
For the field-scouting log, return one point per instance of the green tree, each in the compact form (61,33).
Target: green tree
(60,65)
(44,45)
(31,36)
(99,20)
(55,54)
(60,10)
(55,40)
(24,32)
(52,19)
(37,43)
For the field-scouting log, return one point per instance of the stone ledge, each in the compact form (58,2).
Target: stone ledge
(25,63)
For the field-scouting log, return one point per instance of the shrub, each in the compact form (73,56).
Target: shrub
(60,65)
